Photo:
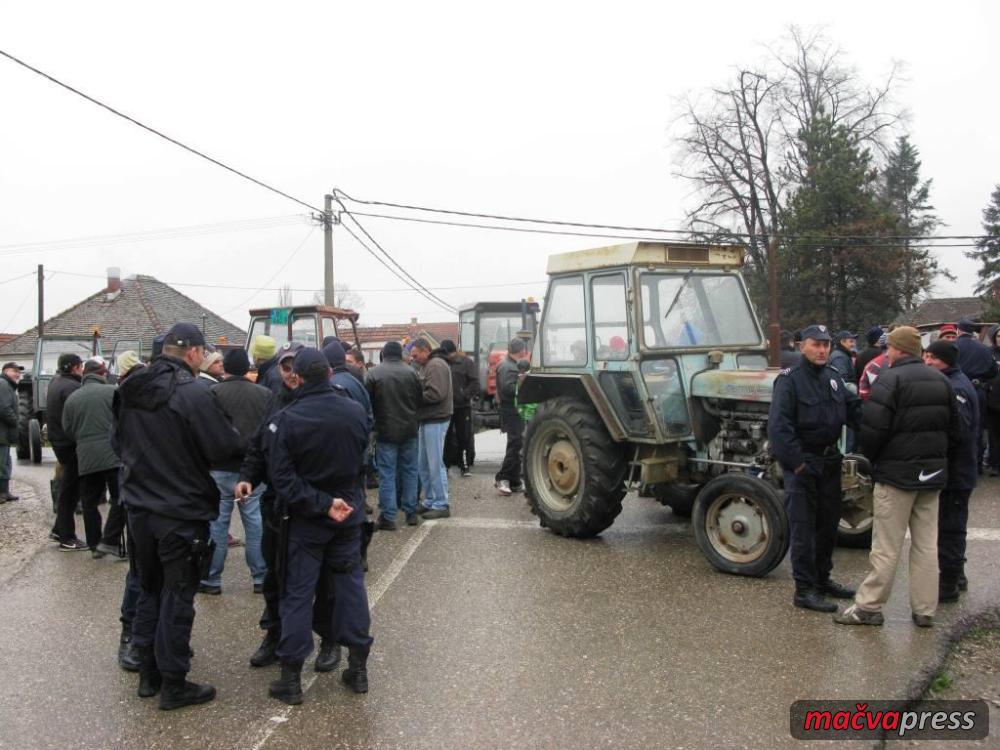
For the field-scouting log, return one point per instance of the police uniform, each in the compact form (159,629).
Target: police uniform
(169,430)
(809,408)
(316,452)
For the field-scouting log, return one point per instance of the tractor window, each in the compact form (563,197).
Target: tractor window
(304,330)
(565,335)
(330,327)
(467,332)
(687,310)
(610,317)
(51,349)
(263,326)
(663,383)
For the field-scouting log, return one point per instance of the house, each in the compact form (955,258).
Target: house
(129,313)
(933,312)
(373,338)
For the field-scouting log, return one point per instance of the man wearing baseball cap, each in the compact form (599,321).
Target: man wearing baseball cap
(11,375)
(809,409)
(168,431)
(948,332)
(908,425)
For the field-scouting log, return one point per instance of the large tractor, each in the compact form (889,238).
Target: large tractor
(484,332)
(650,370)
(307,324)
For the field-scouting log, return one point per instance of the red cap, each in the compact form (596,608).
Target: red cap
(949,328)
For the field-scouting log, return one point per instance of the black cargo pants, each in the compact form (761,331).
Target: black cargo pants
(953,518)
(813,502)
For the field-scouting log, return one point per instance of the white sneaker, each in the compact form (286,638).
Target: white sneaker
(503,487)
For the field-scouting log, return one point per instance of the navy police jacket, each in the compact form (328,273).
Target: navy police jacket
(975,359)
(169,430)
(963,466)
(809,407)
(316,451)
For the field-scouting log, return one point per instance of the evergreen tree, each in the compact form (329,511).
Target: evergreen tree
(987,252)
(908,198)
(828,275)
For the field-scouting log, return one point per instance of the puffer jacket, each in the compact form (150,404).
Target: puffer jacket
(60,389)
(437,404)
(169,430)
(87,422)
(909,424)
(8,411)
(395,392)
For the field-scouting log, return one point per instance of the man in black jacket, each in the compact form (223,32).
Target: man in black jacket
(809,408)
(459,444)
(872,335)
(908,426)
(953,505)
(70,376)
(169,430)
(244,403)
(316,454)
(976,361)
(508,479)
(395,392)
(8,424)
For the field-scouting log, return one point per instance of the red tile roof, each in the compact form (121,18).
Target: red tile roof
(435,332)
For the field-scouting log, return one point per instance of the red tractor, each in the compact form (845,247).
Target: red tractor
(484,330)
(308,324)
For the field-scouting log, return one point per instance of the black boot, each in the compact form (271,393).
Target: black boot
(128,654)
(150,679)
(328,657)
(178,692)
(948,590)
(829,587)
(5,496)
(356,674)
(806,597)
(963,582)
(265,655)
(288,689)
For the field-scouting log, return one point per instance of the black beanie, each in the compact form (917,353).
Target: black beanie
(946,351)
(236,363)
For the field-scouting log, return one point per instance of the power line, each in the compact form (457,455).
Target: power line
(45,276)
(557,222)
(275,275)
(156,132)
(17,278)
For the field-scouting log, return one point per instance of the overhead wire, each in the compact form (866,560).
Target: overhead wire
(158,133)
(13,317)
(275,274)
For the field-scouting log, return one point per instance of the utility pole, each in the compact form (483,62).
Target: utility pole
(774,324)
(328,221)
(41,299)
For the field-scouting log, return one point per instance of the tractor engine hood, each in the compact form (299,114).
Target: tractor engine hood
(735,385)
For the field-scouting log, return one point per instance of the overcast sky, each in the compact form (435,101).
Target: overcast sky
(552,110)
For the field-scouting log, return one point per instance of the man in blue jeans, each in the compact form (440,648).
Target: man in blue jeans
(395,392)
(433,417)
(245,403)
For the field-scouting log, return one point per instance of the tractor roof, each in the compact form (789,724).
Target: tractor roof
(649,254)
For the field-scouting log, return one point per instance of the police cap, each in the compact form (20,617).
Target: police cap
(310,364)
(816,332)
(184,334)
(289,349)
(845,334)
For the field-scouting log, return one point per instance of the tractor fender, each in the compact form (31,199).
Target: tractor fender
(539,387)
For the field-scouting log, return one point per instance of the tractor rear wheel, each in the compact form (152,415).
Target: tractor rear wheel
(857,511)
(574,472)
(35,440)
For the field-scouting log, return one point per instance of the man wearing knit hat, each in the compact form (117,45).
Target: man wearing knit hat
(908,425)
(262,350)
(953,505)
(872,335)
(976,361)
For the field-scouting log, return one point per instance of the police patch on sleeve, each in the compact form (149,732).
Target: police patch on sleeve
(272,427)
(833,384)
(785,371)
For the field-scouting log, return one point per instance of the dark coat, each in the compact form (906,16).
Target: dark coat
(245,404)
(963,466)
(60,389)
(507,382)
(464,380)
(317,452)
(975,359)
(254,466)
(864,357)
(344,376)
(907,425)
(790,358)
(8,411)
(437,403)
(395,394)
(809,407)
(87,422)
(841,361)
(169,430)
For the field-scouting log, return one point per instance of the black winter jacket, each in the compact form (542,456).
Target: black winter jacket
(169,430)
(245,404)
(396,394)
(8,411)
(464,380)
(254,466)
(963,463)
(908,424)
(60,389)
(507,382)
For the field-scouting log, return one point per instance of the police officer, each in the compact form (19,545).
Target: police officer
(809,409)
(316,454)
(169,430)
(976,361)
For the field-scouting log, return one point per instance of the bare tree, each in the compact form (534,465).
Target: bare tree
(285,296)
(343,296)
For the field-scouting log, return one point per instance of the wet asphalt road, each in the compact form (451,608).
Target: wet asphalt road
(489,633)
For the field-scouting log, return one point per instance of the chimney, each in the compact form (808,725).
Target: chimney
(114,283)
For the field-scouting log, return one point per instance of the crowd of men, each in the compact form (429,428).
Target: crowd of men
(181,442)
(917,416)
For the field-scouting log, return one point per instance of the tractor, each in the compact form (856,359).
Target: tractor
(484,332)
(307,324)
(650,370)
(34,387)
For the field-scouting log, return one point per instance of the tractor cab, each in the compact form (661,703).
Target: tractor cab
(308,324)
(485,330)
